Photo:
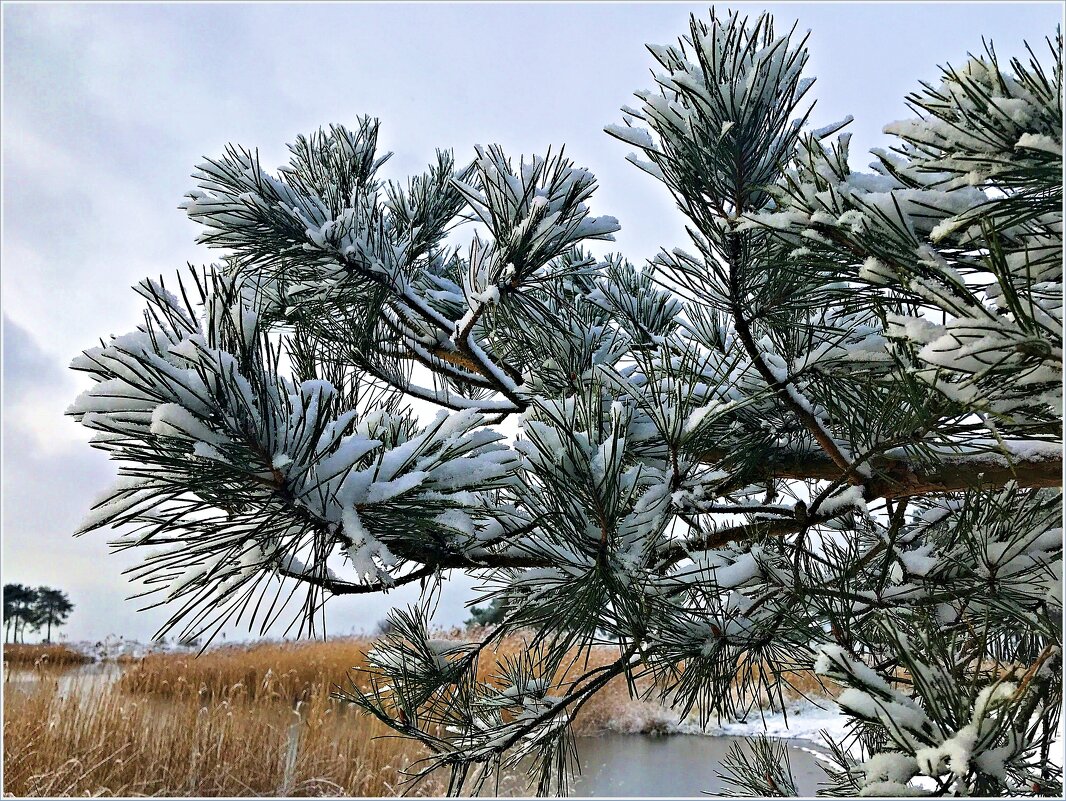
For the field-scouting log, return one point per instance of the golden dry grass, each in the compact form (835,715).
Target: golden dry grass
(279,671)
(248,720)
(35,654)
(292,671)
(110,742)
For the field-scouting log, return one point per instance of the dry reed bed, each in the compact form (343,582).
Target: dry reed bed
(290,672)
(239,721)
(37,654)
(293,671)
(236,721)
(281,671)
(110,742)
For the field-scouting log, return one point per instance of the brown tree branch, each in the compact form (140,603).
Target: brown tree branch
(894,479)
(431,564)
(677,551)
(897,478)
(465,355)
(742,326)
(340,587)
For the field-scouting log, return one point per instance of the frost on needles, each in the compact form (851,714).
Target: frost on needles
(824,435)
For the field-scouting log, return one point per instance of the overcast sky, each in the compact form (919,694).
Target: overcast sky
(107,108)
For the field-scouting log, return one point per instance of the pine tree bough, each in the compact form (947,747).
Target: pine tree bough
(829,438)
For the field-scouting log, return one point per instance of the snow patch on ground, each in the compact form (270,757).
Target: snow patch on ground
(801,720)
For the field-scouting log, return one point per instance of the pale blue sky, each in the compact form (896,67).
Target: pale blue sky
(107,108)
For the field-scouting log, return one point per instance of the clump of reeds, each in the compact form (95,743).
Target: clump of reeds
(37,654)
(109,742)
(276,671)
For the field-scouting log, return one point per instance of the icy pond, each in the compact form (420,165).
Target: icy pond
(672,766)
(93,675)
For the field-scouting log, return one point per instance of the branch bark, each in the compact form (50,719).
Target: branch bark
(431,564)
(340,587)
(897,478)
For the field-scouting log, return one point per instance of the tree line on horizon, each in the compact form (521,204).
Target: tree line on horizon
(36,607)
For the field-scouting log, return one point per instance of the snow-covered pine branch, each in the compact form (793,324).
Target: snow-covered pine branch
(825,436)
